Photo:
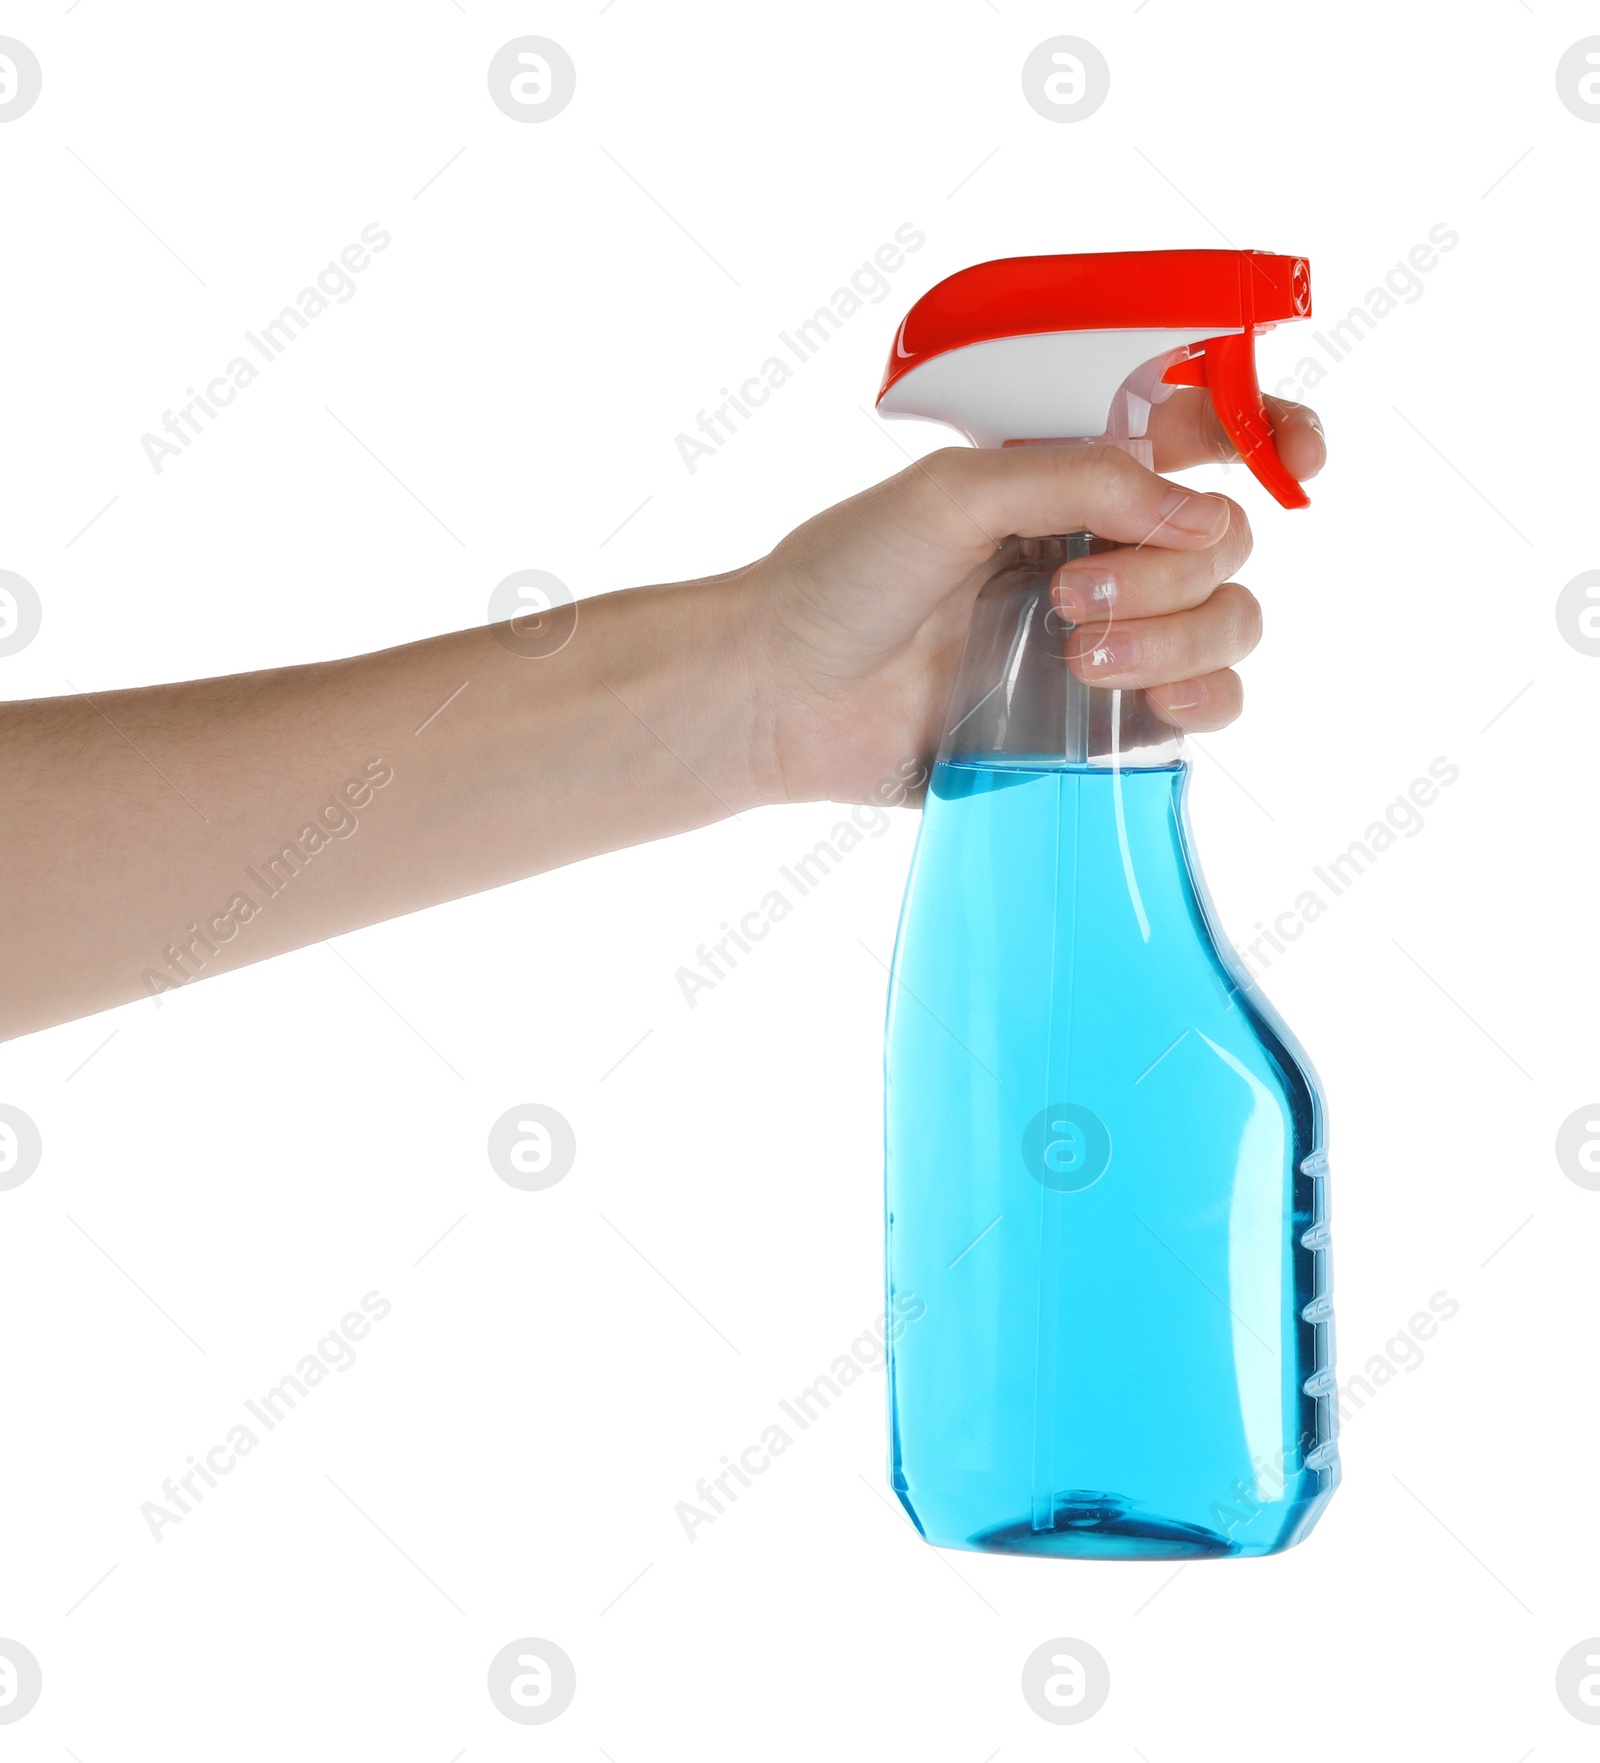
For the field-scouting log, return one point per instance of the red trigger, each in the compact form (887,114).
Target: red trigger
(1230,364)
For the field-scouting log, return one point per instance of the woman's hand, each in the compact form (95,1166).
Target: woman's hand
(165,834)
(860,613)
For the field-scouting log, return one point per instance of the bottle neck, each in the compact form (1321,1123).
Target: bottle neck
(1017,700)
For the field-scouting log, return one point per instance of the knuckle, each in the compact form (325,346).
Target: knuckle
(945,465)
(1194,575)
(942,480)
(1239,540)
(1244,615)
(952,458)
(1104,467)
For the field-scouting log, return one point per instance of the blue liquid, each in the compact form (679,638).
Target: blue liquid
(1106,1201)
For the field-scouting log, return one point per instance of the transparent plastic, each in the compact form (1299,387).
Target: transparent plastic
(1015,696)
(1106,1176)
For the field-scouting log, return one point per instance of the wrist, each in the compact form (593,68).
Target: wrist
(683,667)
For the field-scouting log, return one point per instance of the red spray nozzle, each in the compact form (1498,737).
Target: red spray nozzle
(1039,348)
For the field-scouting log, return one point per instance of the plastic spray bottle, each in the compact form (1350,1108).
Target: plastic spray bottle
(1106,1167)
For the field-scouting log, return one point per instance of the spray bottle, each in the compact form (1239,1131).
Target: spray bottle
(1106,1167)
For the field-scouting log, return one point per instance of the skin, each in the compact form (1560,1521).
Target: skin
(814,674)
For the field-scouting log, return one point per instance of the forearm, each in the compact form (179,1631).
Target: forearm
(161,836)
(158,836)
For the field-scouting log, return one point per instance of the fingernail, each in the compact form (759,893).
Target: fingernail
(1101,658)
(1080,592)
(1187,694)
(1204,516)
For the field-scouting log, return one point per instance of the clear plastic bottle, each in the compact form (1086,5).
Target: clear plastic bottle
(1106,1168)
(1105,1173)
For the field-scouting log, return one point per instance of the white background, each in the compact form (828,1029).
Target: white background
(224,1177)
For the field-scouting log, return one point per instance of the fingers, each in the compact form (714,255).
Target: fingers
(976,497)
(1186,431)
(1157,611)
(973,498)
(1167,650)
(1200,705)
(1135,582)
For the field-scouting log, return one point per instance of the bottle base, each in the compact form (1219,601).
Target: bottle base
(1102,1527)
(1088,1525)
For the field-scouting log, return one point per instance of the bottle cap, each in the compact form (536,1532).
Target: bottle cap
(1031,349)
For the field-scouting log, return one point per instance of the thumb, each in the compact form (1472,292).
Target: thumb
(977,497)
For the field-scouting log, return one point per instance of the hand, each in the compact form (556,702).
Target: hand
(147,821)
(861,612)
